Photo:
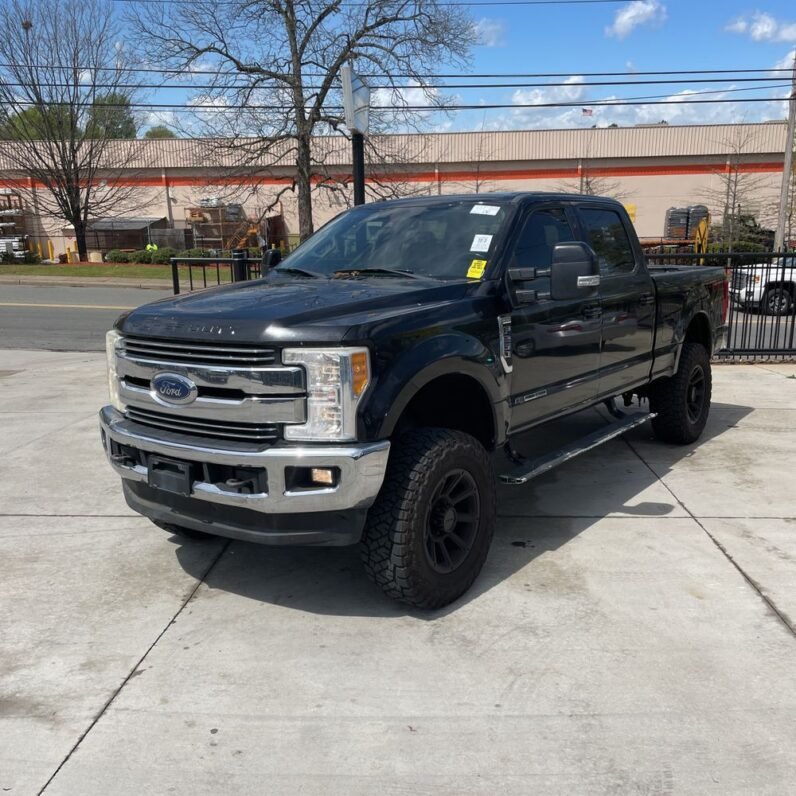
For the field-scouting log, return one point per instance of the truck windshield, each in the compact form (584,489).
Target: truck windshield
(451,240)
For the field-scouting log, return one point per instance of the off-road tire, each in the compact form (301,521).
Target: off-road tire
(186,533)
(777,301)
(400,527)
(673,399)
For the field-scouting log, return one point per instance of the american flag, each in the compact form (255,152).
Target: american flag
(586,112)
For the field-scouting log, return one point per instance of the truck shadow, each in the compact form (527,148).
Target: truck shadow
(537,518)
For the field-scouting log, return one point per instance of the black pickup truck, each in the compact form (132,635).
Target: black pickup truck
(357,392)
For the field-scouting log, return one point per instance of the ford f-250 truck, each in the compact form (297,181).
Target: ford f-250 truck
(355,394)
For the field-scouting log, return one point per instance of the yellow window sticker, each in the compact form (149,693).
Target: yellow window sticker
(476,269)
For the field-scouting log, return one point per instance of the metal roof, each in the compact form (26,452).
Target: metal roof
(123,224)
(646,141)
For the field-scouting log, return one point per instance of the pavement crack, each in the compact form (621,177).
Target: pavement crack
(782,617)
(132,673)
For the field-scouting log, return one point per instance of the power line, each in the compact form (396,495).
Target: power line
(433,75)
(450,86)
(582,103)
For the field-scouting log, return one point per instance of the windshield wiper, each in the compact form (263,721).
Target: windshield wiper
(297,272)
(377,272)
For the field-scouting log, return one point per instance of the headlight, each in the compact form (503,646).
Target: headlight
(112,340)
(336,381)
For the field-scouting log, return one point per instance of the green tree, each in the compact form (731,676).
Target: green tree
(159,131)
(31,121)
(110,117)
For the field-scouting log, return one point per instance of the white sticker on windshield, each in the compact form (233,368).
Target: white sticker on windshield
(481,243)
(485,210)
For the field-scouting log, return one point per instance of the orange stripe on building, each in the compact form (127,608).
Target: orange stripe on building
(177,180)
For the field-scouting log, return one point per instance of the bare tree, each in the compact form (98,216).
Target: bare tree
(278,63)
(62,75)
(590,184)
(740,196)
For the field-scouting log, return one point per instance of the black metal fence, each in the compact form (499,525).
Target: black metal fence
(761,313)
(197,273)
(762,308)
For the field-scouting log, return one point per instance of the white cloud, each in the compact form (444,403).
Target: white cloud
(762,26)
(415,94)
(490,32)
(786,62)
(571,92)
(629,17)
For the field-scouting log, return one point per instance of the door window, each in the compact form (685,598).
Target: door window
(606,234)
(542,230)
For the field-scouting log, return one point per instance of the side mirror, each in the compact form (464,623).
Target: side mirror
(574,272)
(271,258)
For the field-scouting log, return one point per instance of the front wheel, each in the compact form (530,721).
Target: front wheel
(429,531)
(682,402)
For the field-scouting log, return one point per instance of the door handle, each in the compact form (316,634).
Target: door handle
(595,311)
(646,299)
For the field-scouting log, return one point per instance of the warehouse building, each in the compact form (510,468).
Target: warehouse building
(650,168)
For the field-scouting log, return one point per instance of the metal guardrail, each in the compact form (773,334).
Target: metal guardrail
(203,272)
(762,311)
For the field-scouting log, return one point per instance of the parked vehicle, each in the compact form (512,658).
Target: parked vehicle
(357,392)
(769,287)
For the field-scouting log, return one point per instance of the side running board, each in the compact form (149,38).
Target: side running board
(531,469)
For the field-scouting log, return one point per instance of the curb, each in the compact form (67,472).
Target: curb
(88,281)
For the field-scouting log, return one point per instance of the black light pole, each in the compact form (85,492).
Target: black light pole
(358,159)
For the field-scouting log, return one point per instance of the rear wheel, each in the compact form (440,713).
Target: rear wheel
(429,531)
(682,402)
(181,530)
(777,301)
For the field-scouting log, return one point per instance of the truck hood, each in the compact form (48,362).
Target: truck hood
(286,309)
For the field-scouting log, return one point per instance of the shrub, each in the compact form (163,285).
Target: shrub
(31,258)
(194,253)
(162,256)
(141,256)
(7,257)
(117,256)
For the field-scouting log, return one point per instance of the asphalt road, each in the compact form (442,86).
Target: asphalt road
(76,318)
(64,318)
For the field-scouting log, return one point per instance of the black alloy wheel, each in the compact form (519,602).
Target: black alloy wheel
(695,393)
(452,521)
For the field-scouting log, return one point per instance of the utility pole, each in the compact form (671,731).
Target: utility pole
(356,104)
(787,169)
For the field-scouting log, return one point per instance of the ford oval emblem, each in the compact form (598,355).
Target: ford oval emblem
(171,388)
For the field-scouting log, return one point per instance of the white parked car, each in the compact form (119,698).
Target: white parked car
(769,287)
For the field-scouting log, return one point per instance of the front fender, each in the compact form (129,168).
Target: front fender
(412,370)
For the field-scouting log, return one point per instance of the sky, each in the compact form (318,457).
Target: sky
(623,37)
(631,37)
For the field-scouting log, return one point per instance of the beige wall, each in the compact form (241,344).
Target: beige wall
(652,168)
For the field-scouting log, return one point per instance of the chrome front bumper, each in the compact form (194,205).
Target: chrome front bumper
(361,468)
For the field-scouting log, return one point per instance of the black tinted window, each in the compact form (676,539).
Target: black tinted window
(542,230)
(606,234)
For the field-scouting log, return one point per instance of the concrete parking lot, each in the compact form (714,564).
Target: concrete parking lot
(632,632)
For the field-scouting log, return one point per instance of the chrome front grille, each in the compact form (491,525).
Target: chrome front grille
(198,354)
(262,433)
(242,392)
